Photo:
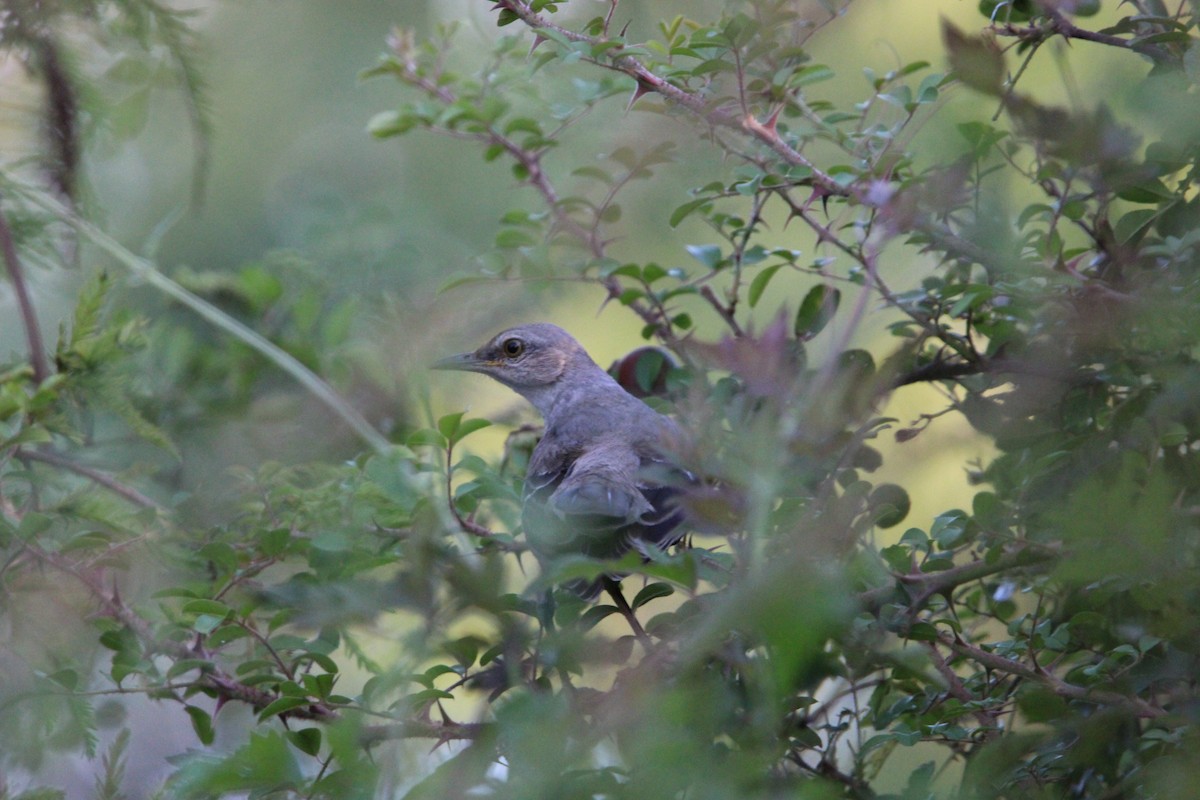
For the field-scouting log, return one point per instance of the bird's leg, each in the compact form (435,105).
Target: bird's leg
(614,591)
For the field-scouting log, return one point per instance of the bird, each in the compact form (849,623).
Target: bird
(600,482)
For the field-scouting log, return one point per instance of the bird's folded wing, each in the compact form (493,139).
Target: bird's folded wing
(597,496)
(602,482)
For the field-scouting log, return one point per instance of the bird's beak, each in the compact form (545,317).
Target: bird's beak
(463,362)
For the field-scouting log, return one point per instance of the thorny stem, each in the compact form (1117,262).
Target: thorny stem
(422,729)
(1059,24)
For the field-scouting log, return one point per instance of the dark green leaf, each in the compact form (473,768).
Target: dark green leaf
(650,592)
(201,724)
(817,309)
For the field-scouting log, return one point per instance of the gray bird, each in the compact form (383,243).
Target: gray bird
(599,480)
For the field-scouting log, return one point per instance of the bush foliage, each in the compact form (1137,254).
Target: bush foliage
(815,640)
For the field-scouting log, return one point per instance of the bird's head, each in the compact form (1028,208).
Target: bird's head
(524,358)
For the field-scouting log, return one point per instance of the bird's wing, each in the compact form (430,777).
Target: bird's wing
(601,504)
(589,504)
(602,482)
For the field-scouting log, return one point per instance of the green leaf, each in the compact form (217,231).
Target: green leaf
(651,592)
(426,436)
(448,424)
(898,557)
(707,254)
(922,632)
(463,650)
(281,705)
(759,284)
(684,211)
(1134,224)
(949,529)
(455,429)
(391,123)
(185,665)
(513,238)
(817,309)
(592,617)
(201,724)
(214,607)
(648,368)
(806,76)
(889,504)
(306,740)
(31,434)
(66,678)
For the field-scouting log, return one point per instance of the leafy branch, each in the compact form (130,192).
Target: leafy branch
(648,81)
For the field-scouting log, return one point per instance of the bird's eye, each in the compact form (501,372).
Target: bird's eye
(513,347)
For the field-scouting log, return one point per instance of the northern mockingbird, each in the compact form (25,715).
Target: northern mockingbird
(596,482)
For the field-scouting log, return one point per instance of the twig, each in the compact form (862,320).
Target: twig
(468,525)
(99,478)
(33,334)
(614,591)
(417,729)
(723,310)
(954,685)
(1063,27)
(1135,705)
(925,585)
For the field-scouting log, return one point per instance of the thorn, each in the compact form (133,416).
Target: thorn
(537,40)
(443,738)
(624,28)
(773,119)
(641,89)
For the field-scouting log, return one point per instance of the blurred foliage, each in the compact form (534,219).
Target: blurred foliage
(1041,643)
(97,62)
